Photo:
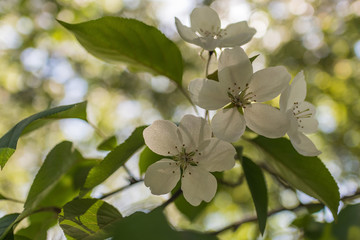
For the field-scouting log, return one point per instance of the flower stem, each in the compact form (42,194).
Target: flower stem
(172,198)
(206,74)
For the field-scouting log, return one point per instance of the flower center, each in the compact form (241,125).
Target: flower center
(300,114)
(184,158)
(214,33)
(240,98)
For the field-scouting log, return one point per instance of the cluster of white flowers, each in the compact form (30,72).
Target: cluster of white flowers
(194,148)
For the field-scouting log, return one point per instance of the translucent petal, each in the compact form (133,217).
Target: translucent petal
(266,120)
(216,155)
(296,92)
(268,83)
(187,33)
(236,34)
(235,70)
(162,176)
(193,131)
(162,137)
(198,185)
(228,124)
(305,115)
(208,94)
(205,20)
(305,146)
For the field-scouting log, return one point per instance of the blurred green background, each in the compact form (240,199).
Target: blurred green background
(42,65)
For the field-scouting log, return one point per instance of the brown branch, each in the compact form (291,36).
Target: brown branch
(234,226)
(172,198)
(120,189)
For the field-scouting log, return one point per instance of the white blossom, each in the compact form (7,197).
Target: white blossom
(206,31)
(238,93)
(300,116)
(191,154)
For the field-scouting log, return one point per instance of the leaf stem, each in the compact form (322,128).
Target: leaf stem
(97,130)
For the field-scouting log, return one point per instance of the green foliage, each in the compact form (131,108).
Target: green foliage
(147,157)
(153,226)
(7,222)
(9,141)
(114,160)
(63,171)
(256,182)
(144,47)
(307,174)
(348,224)
(88,219)
(108,144)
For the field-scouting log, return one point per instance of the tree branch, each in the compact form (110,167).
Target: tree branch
(234,226)
(120,189)
(172,198)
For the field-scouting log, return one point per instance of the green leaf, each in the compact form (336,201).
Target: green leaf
(147,157)
(256,182)
(114,160)
(252,59)
(88,219)
(213,76)
(108,144)
(348,224)
(153,226)
(116,39)
(9,141)
(6,223)
(307,174)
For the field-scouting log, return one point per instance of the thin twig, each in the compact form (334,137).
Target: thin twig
(97,130)
(234,226)
(120,189)
(172,198)
(132,178)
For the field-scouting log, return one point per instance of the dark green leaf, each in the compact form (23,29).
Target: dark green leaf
(6,223)
(153,226)
(256,182)
(116,39)
(252,59)
(348,224)
(114,160)
(147,157)
(88,219)
(108,144)
(307,174)
(9,141)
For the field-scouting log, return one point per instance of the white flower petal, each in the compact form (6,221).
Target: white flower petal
(235,70)
(205,19)
(266,120)
(236,34)
(162,176)
(187,33)
(305,146)
(198,185)
(208,94)
(228,124)
(268,83)
(162,137)
(216,155)
(193,131)
(296,92)
(305,113)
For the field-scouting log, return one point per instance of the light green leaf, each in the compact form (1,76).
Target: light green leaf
(108,144)
(147,157)
(116,39)
(256,182)
(9,141)
(153,226)
(114,160)
(307,174)
(88,219)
